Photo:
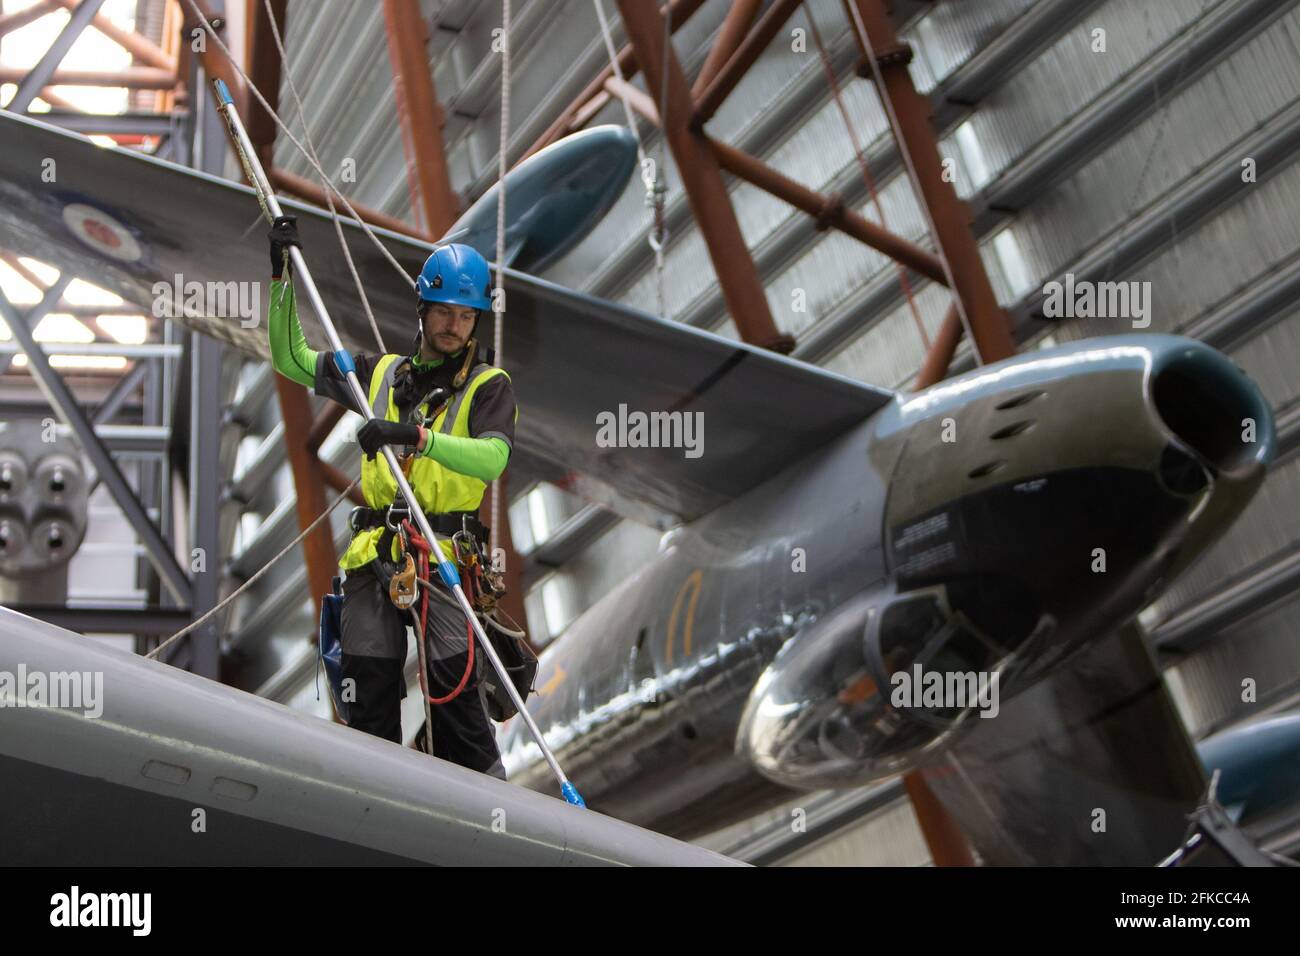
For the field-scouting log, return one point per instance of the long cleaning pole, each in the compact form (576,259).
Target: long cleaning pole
(343,359)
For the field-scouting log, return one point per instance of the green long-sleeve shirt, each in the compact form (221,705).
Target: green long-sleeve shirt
(483,458)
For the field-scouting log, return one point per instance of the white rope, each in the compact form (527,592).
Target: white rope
(654,185)
(356,217)
(498,299)
(261,571)
(311,147)
(618,72)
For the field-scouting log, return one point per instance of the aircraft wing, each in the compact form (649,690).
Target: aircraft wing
(106,767)
(156,233)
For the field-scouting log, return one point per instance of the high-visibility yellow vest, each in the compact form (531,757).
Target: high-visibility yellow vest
(437,488)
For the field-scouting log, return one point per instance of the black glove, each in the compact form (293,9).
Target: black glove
(284,233)
(375,434)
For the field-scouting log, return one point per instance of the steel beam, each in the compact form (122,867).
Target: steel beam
(144,124)
(10,22)
(941,351)
(1043,167)
(65,405)
(138,46)
(42,73)
(304,188)
(159,621)
(567,541)
(152,474)
(419,117)
(948,847)
(702,179)
(318,547)
(829,211)
(738,64)
(733,30)
(1193,626)
(256,394)
(909,114)
(204,489)
(214,62)
(122,389)
(264,70)
(594,95)
(338,481)
(143,439)
(131,78)
(325,422)
(111,349)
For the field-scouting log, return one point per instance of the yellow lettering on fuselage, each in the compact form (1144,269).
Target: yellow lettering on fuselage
(692,583)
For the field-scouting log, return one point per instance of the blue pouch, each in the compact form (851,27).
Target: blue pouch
(330,646)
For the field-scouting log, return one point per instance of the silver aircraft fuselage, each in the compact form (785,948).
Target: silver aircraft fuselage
(995,523)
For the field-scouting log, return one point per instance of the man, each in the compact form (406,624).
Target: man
(449,408)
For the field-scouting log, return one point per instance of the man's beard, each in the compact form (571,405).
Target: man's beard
(437,348)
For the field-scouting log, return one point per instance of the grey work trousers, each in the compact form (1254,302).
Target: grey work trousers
(374,650)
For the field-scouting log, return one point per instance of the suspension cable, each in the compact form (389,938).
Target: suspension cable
(329,198)
(331,187)
(498,298)
(903,281)
(261,571)
(656,190)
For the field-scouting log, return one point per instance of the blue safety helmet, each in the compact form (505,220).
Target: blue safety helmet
(458,275)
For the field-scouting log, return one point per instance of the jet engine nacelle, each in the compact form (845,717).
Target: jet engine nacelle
(1035,505)
(42,499)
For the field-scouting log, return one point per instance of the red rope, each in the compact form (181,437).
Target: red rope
(422,546)
(866,172)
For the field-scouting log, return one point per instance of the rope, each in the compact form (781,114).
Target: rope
(249,583)
(659,236)
(447,599)
(498,304)
(329,198)
(867,178)
(656,188)
(865,41)
(329,183)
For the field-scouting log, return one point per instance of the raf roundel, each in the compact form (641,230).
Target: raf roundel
(101,232)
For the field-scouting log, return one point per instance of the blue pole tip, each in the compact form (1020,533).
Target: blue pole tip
(343,359)
(571,794)
(223,93)
(450,576)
